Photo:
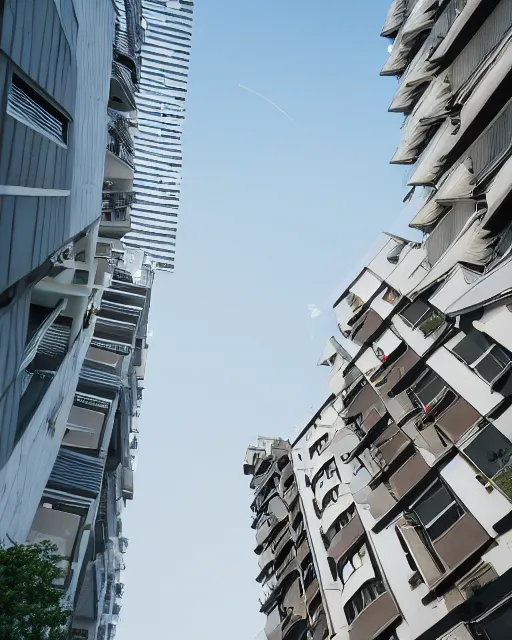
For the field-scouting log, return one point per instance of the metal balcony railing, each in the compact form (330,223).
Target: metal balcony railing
(125,79)
(119,140)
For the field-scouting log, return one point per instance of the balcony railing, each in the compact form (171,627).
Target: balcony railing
(120,141)
(124,77)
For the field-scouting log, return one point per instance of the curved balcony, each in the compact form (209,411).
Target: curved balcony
(119,164)
(346,538)
(122,88)
(127,35)
(375,618)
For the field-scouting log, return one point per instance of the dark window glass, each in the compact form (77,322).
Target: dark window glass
(497,626)
(444,522)
(415,312)
(472,347)
(493,364)
(490,451)
(429,387)
(437,499)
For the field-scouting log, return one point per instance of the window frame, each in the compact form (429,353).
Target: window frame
(435,519)
(429,314)
(435,399)
(493,345)
(349,561)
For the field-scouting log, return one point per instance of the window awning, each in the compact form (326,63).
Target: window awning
(457,186)
(473,246)
(394,18)
(429,109)
(488,288)
(448,229)
(419,19)
(464,11)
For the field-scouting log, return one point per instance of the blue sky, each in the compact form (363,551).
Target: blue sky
(273,218)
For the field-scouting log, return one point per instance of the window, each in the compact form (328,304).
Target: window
(319,446)
(354,302)
(491,452)
(429,389)
(415,312)
(331,470)
(420,315)
(483,355)
(363,598)
(340,523)
(438,510)
(391,295)
(29,107)
(348,566)
(330,496)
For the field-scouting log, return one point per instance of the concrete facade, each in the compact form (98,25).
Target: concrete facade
(403,477)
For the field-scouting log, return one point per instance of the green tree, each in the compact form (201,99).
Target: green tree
(30,606)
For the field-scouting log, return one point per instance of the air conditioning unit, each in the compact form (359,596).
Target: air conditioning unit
(103,250)
(476,580)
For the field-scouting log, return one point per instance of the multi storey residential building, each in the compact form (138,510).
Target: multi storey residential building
(403,477)
(166,44)
(74,297)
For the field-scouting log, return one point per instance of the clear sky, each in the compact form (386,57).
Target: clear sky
(273,217)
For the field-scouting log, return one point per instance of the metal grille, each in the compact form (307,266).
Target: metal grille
(76,472)
(82,400)
(111,346)
(117,200)
(24,108)
(485,40)
(444,24)
(493,146)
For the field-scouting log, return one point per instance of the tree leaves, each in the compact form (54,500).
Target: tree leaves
(30,605)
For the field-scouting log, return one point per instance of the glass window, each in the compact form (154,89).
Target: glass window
(415,312)
(492,364)
(472,346)
(490,450)
(431,323)
(438,510)
(428,388)
(482,354)
(391,295)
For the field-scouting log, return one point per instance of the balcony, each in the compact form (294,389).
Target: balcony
(60,528)
(120,150)
(116,213)
(345,539)
(375,618)
(128,34)
(365,327)
(122,88)
(448,550)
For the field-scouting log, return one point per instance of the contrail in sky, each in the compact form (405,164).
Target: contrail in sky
(270,102)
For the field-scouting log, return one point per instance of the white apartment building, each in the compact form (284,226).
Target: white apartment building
(403,478)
